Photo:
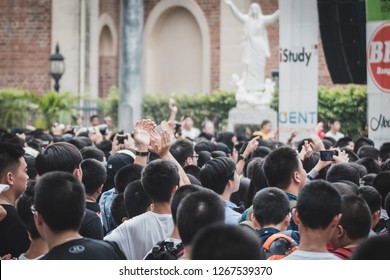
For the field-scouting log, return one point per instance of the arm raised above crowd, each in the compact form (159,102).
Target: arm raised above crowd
(252,145)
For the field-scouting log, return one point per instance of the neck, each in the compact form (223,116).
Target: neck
(280,227)
(55,239)
(38,247)
(91,198)
(334,131)
(175,233)
(187,252)
(226,196)
(162,208)
(293,189)
(313,240)
(7,198)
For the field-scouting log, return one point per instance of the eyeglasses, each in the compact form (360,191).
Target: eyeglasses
(33,210)
(195,156)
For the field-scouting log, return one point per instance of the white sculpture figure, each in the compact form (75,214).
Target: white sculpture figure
(256,46)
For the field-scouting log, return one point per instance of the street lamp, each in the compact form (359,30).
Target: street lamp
(57,67)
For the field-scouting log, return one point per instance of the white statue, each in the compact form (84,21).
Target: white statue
(256,46)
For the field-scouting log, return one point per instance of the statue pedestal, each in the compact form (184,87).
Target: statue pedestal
(244,121)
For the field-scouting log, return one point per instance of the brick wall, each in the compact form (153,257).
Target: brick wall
(25,40)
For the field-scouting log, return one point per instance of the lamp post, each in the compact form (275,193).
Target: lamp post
(57,67)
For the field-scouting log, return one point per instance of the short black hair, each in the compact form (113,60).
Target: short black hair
(372,197)
(60,156)
(368,151)
(137,200)
(205,146)
(270,206)
(77,142)
(31,170)
(279,167)
(94,175)
(318,203)
(362,141)
(182,149)
(181,193)
(118,209)
(343,171)
(92,152)
(226,138)
(261,152)
(60,199)
(193,170)
(387,204)
(93,117)
(159,178)
(351,154)
(370,164)
(384,151)
(385,166)
(311,161)
(258,180)
(198,210)
(344,141)
(361,170)
(356,217)
(126,175)
(10,156)
(105,146)
(226,242)
(25,200)
(216,173)
(346,188)
(368,180)
(376,248)
(382,184)
(204,157)
(263,123)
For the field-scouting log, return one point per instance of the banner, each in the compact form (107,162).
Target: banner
(378,70)
(298,68)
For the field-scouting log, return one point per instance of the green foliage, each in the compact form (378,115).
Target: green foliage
(110,105)
(348,105)
(14,108)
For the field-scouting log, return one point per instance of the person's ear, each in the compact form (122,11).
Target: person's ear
(296,216)
(335,221)
(376,217)
(189,161)
(100,189)
(297,177)
(78,174)
(340,232)
(255,223)
(124,219)
(9,178)
(287,219)
(151,207)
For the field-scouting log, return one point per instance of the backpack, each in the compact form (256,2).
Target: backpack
(166,250)
(279,245)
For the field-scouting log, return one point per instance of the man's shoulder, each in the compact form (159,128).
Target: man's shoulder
(306,255)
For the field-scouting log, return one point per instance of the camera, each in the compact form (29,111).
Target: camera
(328,155)
(121,138)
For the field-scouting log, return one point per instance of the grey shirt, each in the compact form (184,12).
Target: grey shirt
(305,255)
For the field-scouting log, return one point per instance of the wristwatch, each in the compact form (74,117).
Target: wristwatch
(241,157)
(142,154)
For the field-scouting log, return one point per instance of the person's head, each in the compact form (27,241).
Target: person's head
(183,151)
(187,122)
(204,157)
(59,156)
(334,125)
(283,169)
(343,171)
(77,142)
(362,141)
(318,207)
(370,164)
(179,195)
(310,162)
(345,142)
(346,188)
(271,208)
(368,151)
(382,184)
(226,242)
(385,166)
(261,152)
(196,211)
(376,248)
(258,180)
(92,152)
(118,209)
(105,146)
(384,151)
(126,175)
(368,180)
(23,207)
(13,168)
(114,163)
(192,170)
(59,203)
(160,179)
(387,204)
(205,146)
(94,120)
(350,153)
(355,222)
(93,176)
(137,201)
(374,201)
(266,126)
(228,138)
(208,127)
(219,175)
(31,170)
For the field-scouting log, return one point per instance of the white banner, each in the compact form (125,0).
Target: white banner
(298,67)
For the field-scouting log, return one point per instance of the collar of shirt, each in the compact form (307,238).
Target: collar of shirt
(230,204)
(291,196)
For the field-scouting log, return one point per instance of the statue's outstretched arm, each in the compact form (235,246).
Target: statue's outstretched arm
(236,12)
(269,19)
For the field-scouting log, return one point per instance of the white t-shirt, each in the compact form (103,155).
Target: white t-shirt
(336,136)
(305,255)
(138,235)
(192,133)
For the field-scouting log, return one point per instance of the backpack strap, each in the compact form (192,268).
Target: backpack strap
(275,236)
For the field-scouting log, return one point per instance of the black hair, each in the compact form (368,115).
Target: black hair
(226,138)
(77,142)
(118,209)
(355,217)
(343,171)
(226,242)
(196,211)
(279,167)
(270,206)
(311,161)
(10,156)
(261,152)
(36,144)
(222,147)
(370,164)
(332,121)
(330,139)
(31,170)
(94,175)
(182,149)
(346,188)
(93,117)
(193,170)
(105,146)
(179,195)
(351,154)
(205,146)
(60,156)
(382,184)
(25,200)
(258,180)
(385,166)
(384,151)
(319,202)
(376,248)
(92,152)
(368,180)
(126,175)
(204,157)
(159,178)
(368,151)
(387,204)
(362,141)
(264,123)
(216,173)
(327,144)
(361,170)
(217,154)
(372,197)
(12,138)
(344,141)
(137,200)
(60,199)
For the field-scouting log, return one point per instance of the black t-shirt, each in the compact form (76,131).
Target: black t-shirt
(93,206)
(13,234)
(84,249)
(91,226)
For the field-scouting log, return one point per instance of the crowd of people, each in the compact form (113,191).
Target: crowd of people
(171,191)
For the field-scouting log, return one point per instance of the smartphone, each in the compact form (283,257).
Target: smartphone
(328,155)
(121,138)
